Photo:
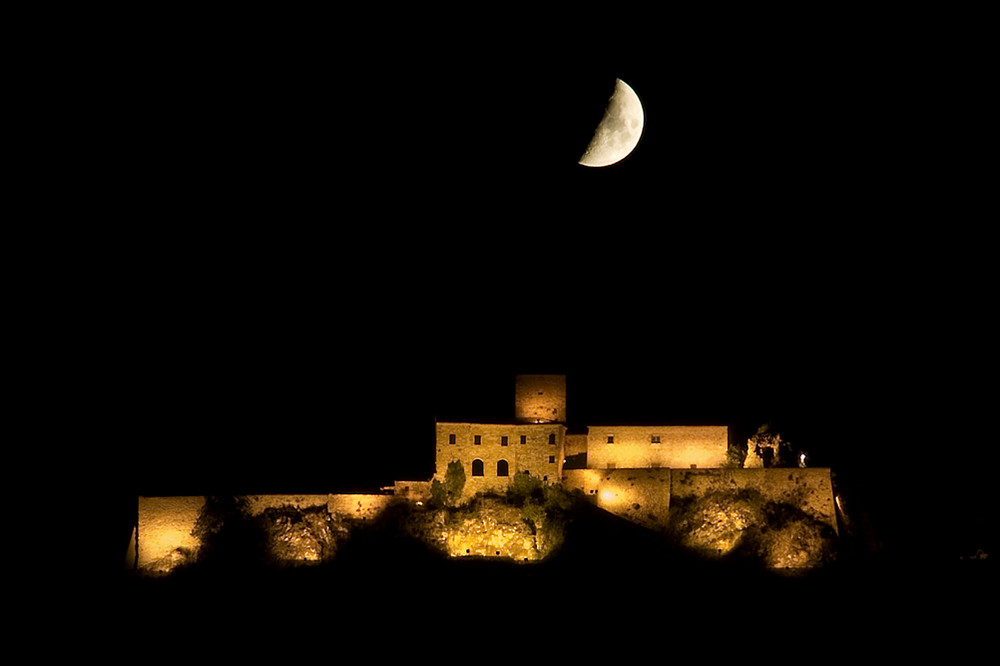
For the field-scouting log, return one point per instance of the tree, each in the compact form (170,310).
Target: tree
(523,487)
(736,455)
(454,482)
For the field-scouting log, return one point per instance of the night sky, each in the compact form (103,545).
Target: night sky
(316,244)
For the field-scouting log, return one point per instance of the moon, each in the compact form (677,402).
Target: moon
(619,131)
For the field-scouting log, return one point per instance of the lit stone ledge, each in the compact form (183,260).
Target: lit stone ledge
(164,538)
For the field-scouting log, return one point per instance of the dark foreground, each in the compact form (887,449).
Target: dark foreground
(613,592)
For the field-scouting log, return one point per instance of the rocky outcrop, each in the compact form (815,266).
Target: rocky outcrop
(301,536)
(746,524)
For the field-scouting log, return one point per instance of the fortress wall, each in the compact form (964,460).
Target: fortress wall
(164,537)
(810,489)
(164,527)
(619,490)
(639,495)
(586,480)
(352,505)
(364,507)
(258,503)
(679,446)
(417,491)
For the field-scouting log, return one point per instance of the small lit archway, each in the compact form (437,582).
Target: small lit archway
(503,469)
(477,467)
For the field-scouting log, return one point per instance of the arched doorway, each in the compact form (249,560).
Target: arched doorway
(477,467)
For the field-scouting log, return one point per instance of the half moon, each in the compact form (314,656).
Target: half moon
(619,131)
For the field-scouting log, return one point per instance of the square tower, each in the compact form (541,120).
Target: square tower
(540,399)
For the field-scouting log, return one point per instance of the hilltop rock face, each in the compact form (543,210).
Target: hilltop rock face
(777,535)
(486,527)
(301,536)
(714,525)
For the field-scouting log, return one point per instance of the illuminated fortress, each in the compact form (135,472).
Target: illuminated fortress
(656,476)
(538,443)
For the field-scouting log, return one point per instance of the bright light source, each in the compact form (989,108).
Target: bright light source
(802,460)
(607,495)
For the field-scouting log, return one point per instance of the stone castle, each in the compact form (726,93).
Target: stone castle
(637,472)
(538,442)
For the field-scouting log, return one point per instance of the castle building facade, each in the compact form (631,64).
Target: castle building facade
(537,442)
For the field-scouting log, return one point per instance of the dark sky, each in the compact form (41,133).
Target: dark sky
(317,244)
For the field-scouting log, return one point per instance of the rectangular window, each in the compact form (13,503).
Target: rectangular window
(451,439)
(552,438)
(524,439)
(552,459)
(503,440)
(654,439)
(611,439)
(478,439)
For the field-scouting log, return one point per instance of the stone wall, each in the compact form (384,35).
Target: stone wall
(576,444)
(637,446)
(416,491)
(359,507)
(163,533)
(644,495)
(540,398)
(163,536)
(639,495)
(810,489)
(537,456)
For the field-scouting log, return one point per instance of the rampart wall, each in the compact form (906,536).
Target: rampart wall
(644,495)
(809,489)
(164,531)
(164,538)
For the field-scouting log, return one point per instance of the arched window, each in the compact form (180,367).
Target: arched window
(503,469)
(477,467)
